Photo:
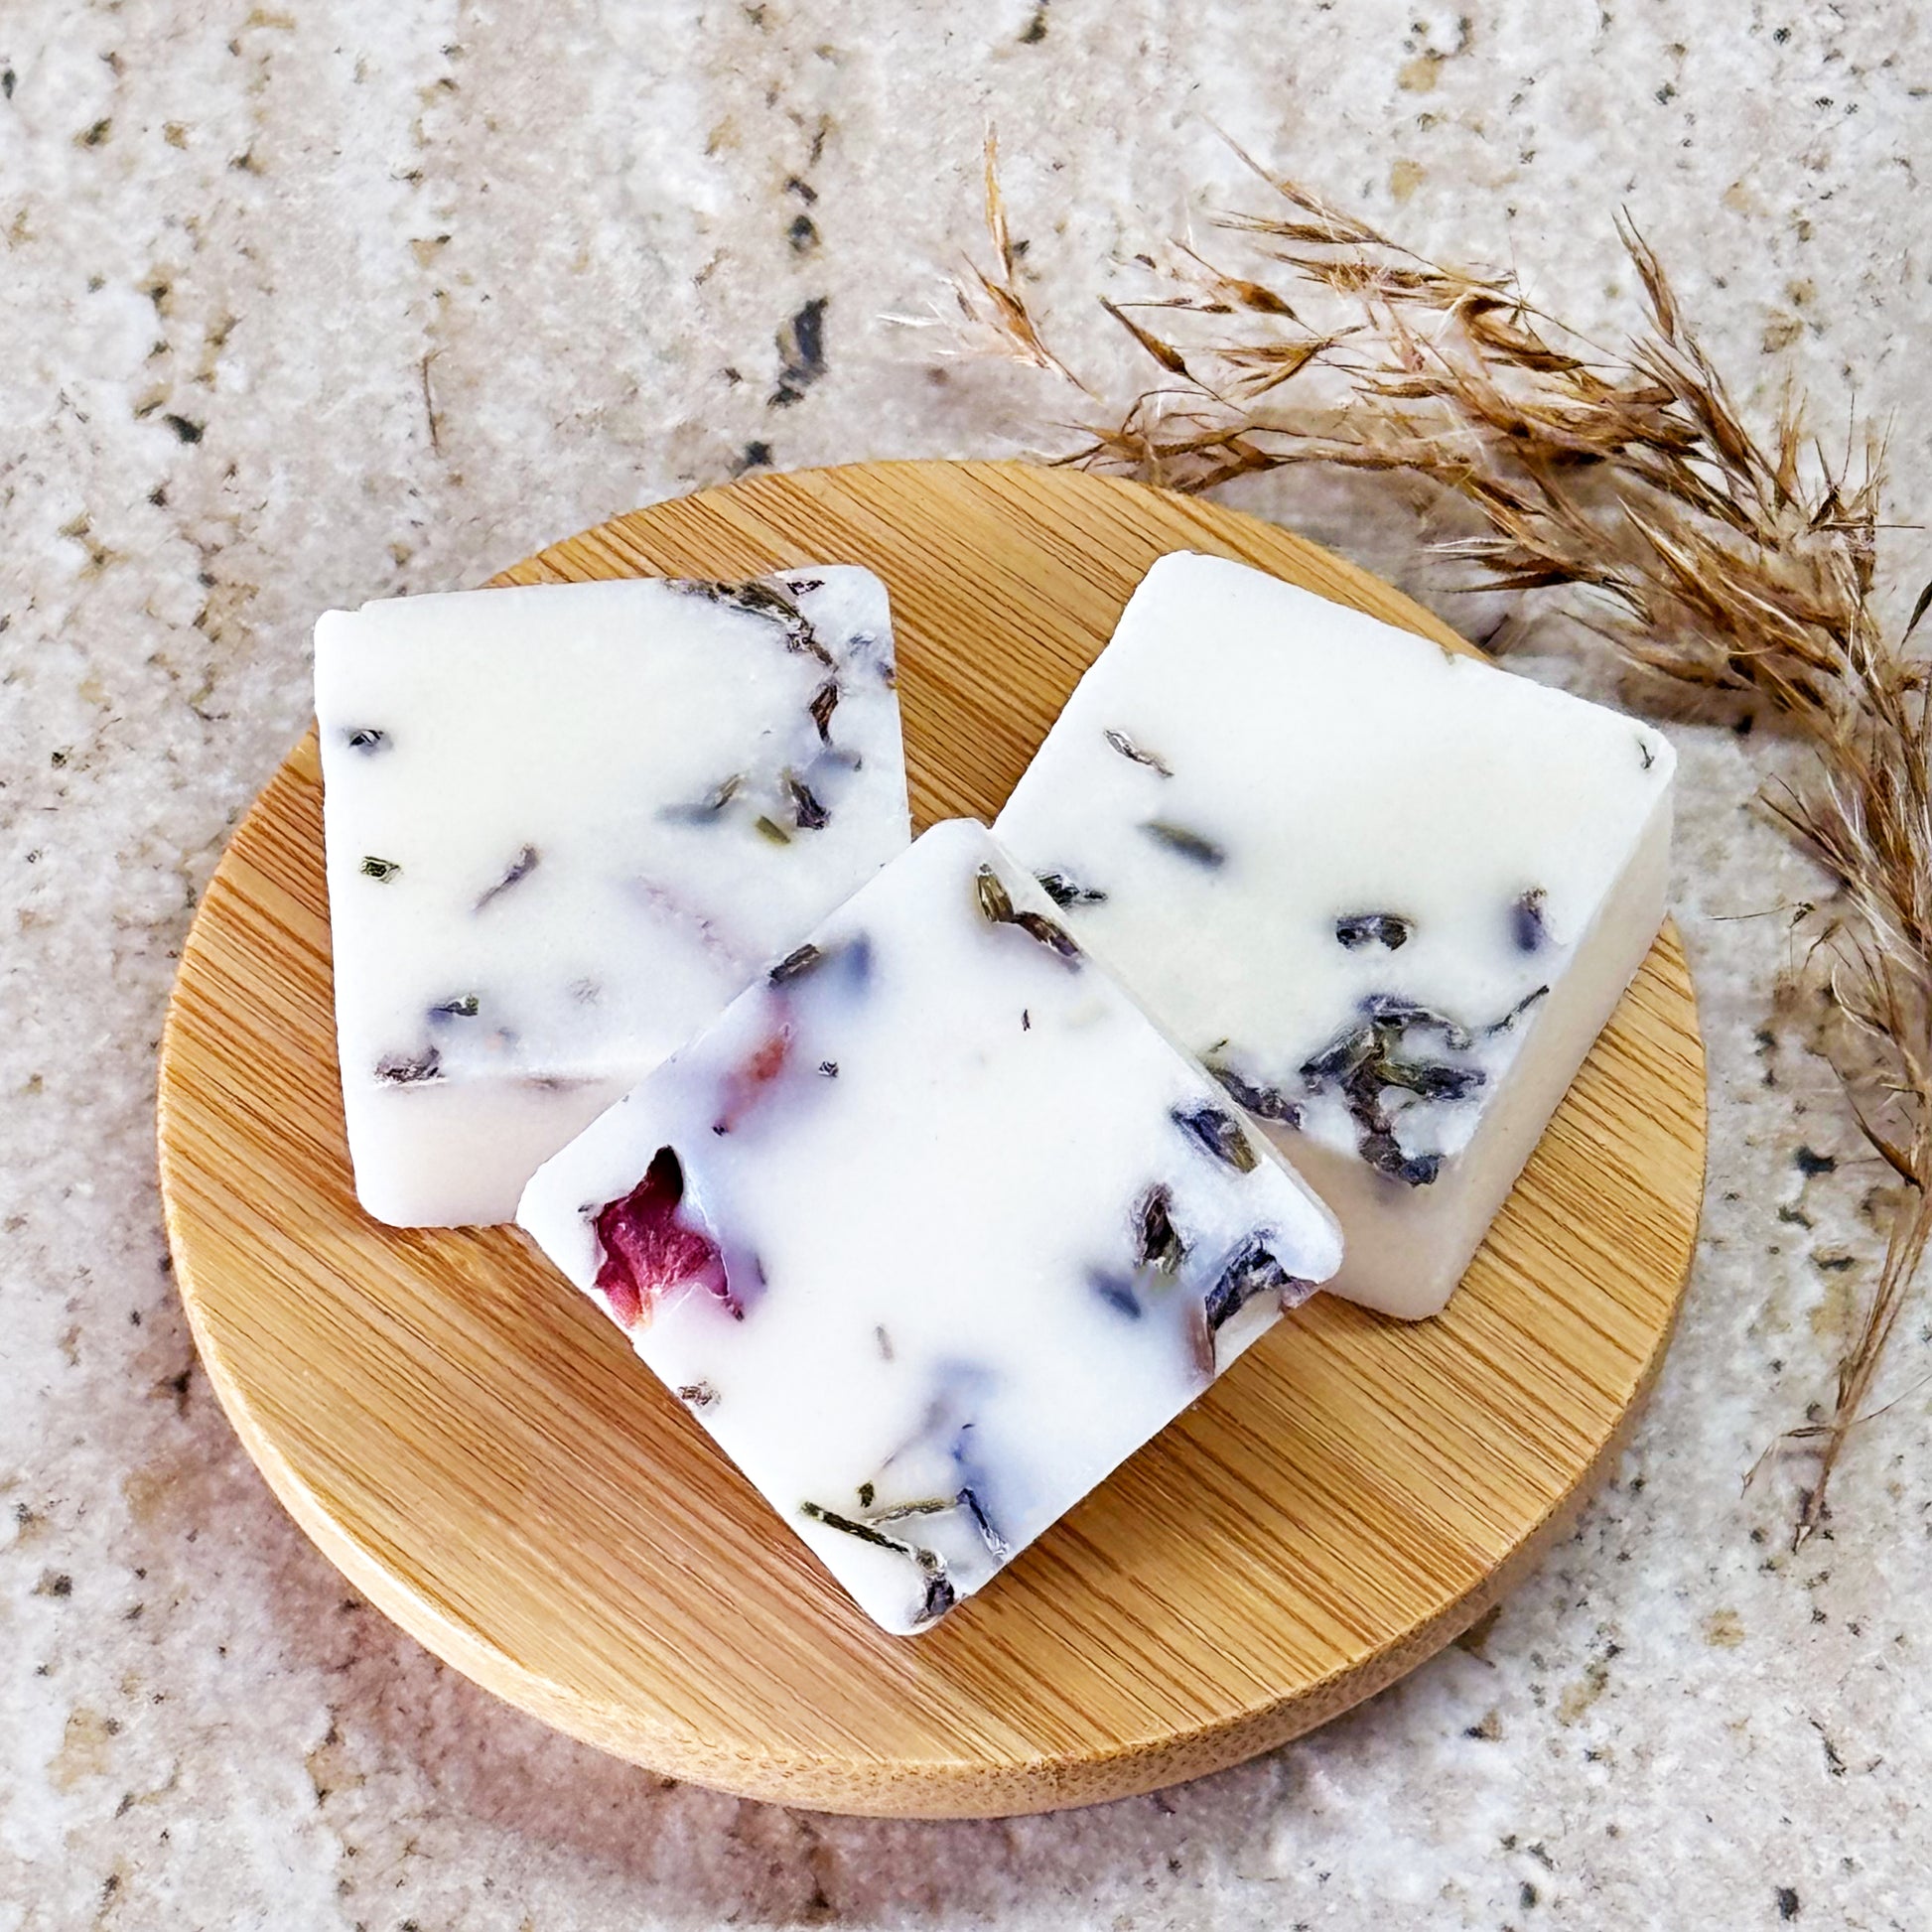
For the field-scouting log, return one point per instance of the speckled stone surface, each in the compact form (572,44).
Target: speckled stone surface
(306,303)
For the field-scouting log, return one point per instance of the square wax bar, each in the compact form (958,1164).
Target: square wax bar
(1388,893)
(932,1228)
(565,825)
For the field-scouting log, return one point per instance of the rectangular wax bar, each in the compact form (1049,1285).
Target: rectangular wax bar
(1389,894)
(932,1228)
(565,825)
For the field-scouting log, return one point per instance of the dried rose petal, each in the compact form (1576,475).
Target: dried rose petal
(650,1249)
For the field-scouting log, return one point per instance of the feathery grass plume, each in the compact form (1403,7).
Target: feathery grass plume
(1714,558)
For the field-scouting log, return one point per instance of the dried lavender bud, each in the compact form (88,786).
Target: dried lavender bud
(1185,843)
(825,701)
(885,1342)
(586,993)
(708,807)
(383,869)
(1063,890)
(1050,932)
(760,599)
(410,1070)
(1117,1294)
(1359,930)
(365,738)
(1264,1103)
(940,1597)
(795,965)
(1341,1058)
(969,1501)
(1218,1133)
(1392,1010)
(1526,920)
(808,813)
(1380,1150)
(997,907)
(994,901)
(1126,747)
(696,1395)
(464,1006)
(1431,1079)
(1157,1242)
(520,868)
(1252,1270)
(1516,1012)
(852,956)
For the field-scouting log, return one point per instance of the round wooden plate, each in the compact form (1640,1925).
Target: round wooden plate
(477,1450)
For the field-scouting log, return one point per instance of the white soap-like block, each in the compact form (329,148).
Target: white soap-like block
(566,824)
(1389,894)
(932,1228)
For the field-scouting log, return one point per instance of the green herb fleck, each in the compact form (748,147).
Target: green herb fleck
(463,1006)
(367,738)
(382,869)
(771,831)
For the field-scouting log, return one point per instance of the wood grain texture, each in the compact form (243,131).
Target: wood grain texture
(481,1454)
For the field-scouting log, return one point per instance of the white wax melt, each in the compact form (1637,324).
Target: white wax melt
(1389,894)
(566,824)
(932,1228)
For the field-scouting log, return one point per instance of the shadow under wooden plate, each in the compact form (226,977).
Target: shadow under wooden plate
(481,1454)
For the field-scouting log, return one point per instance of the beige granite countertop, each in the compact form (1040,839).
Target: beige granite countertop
(232,236)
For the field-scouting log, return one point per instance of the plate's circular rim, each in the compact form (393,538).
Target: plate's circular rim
(946,1788)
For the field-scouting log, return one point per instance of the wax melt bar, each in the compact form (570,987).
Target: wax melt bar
(566,824)
(1388,893)
(932,1228)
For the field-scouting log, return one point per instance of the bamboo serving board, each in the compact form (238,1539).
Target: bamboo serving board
(477,1450)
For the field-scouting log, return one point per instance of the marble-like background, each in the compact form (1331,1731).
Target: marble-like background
(229,237)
